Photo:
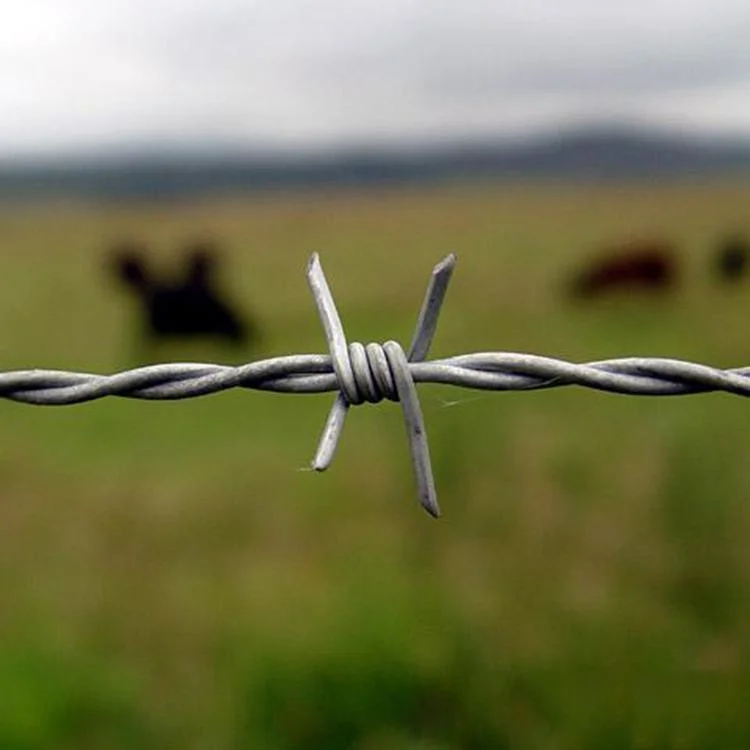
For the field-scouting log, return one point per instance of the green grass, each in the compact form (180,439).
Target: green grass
(174,577)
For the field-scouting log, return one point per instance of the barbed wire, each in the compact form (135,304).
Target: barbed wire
(374,372)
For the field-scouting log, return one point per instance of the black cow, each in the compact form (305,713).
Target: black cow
(730,262)
(186,306)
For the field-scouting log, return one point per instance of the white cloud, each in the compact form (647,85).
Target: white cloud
(91,72)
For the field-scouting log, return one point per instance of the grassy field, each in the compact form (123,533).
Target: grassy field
(173,576)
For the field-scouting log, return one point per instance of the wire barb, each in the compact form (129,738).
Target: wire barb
(373,372)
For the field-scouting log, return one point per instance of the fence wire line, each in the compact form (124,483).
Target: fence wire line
(375,372)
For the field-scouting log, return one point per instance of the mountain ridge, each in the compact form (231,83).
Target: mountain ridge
(585,153)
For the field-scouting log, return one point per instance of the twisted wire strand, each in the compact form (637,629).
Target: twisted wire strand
(360,373)
(314,373)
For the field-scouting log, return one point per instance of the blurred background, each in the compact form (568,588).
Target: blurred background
(174,574)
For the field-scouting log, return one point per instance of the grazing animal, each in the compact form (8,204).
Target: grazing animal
(731,260)
(647,266)
(186,306)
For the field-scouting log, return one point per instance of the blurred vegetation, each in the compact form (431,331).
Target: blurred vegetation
(172,577)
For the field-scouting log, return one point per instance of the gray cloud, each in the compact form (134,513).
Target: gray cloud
(299,72)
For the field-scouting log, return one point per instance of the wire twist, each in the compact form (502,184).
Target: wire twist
(373,372)
(370,373)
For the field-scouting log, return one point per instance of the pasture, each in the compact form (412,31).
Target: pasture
(174,577)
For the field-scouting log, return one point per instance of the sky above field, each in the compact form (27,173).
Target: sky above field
(92,74)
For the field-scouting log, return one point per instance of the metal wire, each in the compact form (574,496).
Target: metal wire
(376,371)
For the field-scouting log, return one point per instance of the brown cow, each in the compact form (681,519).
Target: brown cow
(634,266)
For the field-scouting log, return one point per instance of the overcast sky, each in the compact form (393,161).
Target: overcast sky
(80,74)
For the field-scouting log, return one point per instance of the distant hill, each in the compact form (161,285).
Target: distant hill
(600,154)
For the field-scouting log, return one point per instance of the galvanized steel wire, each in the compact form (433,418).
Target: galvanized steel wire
(373,372)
